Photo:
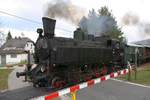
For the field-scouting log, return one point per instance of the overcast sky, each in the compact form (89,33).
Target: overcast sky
(34,10)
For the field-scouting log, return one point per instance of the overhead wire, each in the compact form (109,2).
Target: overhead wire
(29,20)
(22,18)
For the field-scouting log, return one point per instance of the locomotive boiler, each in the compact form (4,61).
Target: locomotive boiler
(61,61)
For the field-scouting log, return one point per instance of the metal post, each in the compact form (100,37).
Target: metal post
(129,74)
(28,64)
(136,54)
(73,94)
(28,57)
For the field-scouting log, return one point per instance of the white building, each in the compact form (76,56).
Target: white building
(15,51)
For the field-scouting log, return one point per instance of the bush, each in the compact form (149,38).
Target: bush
(21,63)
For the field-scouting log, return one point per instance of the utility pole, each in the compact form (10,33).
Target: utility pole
(136,59)
(28,64)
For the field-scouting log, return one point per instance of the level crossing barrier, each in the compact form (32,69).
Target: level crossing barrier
(74,89)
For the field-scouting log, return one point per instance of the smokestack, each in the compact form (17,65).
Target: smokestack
(49,27)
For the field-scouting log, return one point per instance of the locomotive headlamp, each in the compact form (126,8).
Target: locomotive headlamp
(39,30)
(55,49)
(43,69)
(121,54)
(117,45)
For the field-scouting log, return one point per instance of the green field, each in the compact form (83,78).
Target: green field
(143,76)
(4,78)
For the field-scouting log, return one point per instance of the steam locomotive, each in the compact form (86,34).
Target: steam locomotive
(61,62)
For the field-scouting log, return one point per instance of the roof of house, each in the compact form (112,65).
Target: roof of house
(12,51)
(134,45)
(15,45)
(16,42)
(145,43)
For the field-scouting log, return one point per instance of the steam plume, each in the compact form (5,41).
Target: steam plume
(130,19)
(133,19)
(97,25)
(64,9)
(144,28)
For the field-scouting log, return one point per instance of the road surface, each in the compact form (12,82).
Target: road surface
(108,90)
(23,93)
(114,90)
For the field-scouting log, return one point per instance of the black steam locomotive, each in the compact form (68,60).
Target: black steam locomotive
(64,61)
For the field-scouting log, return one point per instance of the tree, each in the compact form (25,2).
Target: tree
(104,12)
(103,23)
(115,31)
(2,38)
(9,37)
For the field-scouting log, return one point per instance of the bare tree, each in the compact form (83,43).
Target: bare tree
(2,38)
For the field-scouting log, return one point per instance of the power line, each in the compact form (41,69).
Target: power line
(63,29)
(22,18)
(29,20)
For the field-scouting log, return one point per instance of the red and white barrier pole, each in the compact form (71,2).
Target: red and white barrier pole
(74,89)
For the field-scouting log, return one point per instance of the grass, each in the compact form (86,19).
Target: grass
(4,73)
(143,75)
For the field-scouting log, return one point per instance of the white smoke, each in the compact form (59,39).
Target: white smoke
(135,28)
(131,19)
(144,28)
(97,25)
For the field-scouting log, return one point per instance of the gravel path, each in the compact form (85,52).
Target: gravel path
(14,82)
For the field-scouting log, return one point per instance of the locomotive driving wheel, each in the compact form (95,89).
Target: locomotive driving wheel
(104,71)
(58,82)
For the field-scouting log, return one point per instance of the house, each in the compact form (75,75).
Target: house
(133,51)
(143,51)
(146,45)
(15,51)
